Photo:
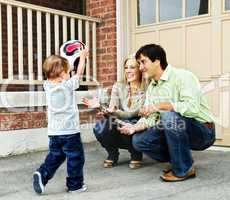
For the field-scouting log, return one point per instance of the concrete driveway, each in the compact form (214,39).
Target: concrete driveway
(120,182)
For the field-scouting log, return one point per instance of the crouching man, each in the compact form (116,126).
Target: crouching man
(175,116)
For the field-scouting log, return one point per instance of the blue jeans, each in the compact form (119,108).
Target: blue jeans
(60,148)
(172,139)
(112,140)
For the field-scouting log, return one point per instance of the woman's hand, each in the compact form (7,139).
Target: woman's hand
(127,129)
(91,103)
(111,109)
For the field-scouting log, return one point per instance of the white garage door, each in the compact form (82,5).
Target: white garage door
(195,35)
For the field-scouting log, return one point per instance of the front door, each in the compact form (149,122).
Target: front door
(195,34)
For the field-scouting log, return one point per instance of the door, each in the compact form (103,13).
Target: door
(195,35)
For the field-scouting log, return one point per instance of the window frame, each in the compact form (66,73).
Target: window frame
(183,18)
(224,11)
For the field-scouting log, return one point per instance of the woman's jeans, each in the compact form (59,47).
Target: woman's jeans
(60,148)
(112,140)
(172,139)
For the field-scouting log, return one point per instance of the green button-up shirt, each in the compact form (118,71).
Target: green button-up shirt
(182,89)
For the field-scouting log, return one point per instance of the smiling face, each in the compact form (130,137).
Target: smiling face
(148,68)
(132,71)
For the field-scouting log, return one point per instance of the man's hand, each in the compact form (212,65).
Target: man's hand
(147,110)
(127,129)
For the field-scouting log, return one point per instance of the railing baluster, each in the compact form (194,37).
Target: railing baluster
(30,44)
(88,45)
(80,30)
(1,71)
(39,45)
(20,44)
(64,28)
(72,28)
(10,42)
(48,44)
(56,33)
(94,56)
(9,6)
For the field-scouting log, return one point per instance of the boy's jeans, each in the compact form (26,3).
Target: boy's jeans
(61,147)
(172,139)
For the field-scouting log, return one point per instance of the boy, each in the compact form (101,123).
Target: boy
(63,124)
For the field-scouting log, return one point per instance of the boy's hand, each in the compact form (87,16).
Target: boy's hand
(84,53)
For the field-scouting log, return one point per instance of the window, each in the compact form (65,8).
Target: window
(196,7)
(227,4)
(170,9)
(146,11)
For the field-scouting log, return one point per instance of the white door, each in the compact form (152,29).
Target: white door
(195,35)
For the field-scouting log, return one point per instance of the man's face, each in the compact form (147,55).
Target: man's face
(147,67)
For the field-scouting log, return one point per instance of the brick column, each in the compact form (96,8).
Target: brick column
(106,39)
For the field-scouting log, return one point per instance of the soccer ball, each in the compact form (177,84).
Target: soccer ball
(71,51)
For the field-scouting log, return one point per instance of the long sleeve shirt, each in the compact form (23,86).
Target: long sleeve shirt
(119,98)
(181,88)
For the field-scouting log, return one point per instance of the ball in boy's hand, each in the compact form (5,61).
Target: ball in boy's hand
(71,51)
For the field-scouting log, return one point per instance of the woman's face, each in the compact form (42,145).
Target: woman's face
(132,72)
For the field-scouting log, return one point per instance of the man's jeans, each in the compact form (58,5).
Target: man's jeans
(172,139)
(60,148)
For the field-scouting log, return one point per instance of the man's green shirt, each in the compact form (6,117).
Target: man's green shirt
(182,89)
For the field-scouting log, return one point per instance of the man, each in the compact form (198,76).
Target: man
(175,116)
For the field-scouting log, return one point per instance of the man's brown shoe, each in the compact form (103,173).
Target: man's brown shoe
(170,177)
(167,169)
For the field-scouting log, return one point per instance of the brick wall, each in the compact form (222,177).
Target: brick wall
(106,58)
(106,38)
(72,6)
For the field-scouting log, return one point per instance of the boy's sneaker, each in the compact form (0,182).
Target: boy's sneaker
(82,189)
(37,183)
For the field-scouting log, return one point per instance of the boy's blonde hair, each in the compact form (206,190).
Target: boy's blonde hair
(54,65)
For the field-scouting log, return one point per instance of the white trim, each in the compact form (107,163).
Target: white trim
(119,38)
(31,99)
(31,140)
(219,148)
(123,31)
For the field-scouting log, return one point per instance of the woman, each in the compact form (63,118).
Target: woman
(126,99)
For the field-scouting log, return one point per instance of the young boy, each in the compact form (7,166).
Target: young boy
(63,124)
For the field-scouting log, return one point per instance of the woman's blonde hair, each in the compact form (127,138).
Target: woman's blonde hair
(54,65)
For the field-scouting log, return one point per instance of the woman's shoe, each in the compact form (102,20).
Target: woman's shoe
(135,164)
(109,163)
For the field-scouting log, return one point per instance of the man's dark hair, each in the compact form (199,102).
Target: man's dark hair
(153,52)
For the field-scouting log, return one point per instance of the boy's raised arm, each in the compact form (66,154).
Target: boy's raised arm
(81,66)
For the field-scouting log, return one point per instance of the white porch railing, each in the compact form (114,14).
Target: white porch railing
(38,32)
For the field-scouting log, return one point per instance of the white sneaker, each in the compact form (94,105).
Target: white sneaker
(37,183)
(82,189)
